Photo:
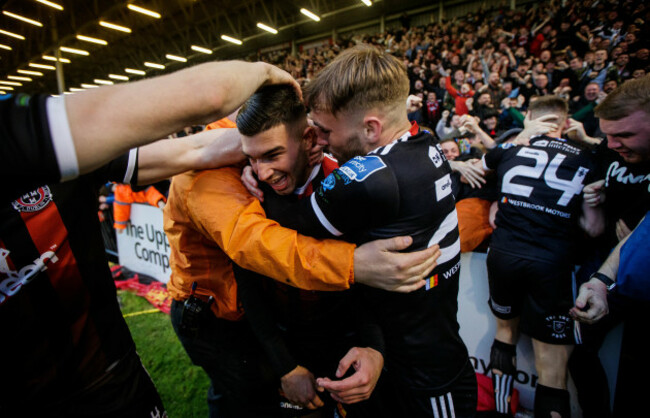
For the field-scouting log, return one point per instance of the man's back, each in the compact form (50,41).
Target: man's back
(540,198)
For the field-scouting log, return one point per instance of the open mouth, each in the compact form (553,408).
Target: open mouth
(279,183)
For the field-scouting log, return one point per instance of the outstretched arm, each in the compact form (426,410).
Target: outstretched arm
(106,122)
(208,149)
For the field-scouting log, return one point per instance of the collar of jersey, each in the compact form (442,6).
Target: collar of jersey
(314,172)
(414,130)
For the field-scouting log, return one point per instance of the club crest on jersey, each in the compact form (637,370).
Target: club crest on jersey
(34,200)
(360,168)
(558,325)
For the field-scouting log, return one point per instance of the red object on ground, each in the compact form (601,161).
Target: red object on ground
(486,395)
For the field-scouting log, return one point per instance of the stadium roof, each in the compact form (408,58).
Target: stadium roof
(101,39)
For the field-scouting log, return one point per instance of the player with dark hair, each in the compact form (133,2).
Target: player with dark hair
(305,334)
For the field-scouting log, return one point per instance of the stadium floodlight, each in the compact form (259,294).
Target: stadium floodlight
(18,78)
(310,15)
(231,39)
(201,49)
(175,58)
(10,83)
(118,77)
(144,11)
(36,73)
(23,18)
(92,40)
(367,2)
(76,89)
(74,50)
(13,35)
(89,86)
(7,88)
(7,47)
(104,82)
(51,58)
(114,26)
(51,4)
(42,66)
(267,28)
(132,71)
(154,65)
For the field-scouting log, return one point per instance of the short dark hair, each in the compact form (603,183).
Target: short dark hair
(268,107)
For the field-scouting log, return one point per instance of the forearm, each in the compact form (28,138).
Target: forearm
(610,266)
(236,222)
(208,149)
(592,220)
(108,121)
(582,113)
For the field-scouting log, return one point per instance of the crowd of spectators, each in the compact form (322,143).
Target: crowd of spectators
(491,62)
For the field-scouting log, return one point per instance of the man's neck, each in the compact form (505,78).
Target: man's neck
(394,131)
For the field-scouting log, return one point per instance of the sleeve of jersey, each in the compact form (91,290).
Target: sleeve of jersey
(259,313)
(362,193)
(123,169)
(35,143)
(228,215)
(492,158)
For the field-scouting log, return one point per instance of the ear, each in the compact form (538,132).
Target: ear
(309,137)
(372,129)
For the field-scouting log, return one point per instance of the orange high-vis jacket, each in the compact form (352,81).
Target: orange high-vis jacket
(124,196)
(212,221)
(221,123)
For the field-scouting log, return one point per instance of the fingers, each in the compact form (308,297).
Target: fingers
(395,244)
(345,363)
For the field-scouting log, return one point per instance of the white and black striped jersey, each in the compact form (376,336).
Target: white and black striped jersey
(403,188)
(540,197)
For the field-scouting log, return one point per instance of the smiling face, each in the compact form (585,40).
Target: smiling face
(279,157)
(629,136)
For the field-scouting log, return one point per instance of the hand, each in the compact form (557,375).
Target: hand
(578,129)
(275,75)
(622,230)
(299,387)
(601,97)
(445,114)
(535,127)
(380,264)
(594,293)
(367,364)
(470,123)
(248,180)
(413,103)
(593,194)
(474,175)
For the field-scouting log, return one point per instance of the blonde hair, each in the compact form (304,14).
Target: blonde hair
(362,77)
(626,99)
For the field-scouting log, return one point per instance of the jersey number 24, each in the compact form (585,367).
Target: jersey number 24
(569,188)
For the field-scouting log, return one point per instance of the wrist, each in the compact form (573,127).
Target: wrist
(599,277)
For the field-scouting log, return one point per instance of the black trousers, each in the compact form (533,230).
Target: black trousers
(242,383)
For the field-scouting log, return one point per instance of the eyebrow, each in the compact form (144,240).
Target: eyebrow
(319,125)
(269,152)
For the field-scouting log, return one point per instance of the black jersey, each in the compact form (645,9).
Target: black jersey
(403,188)
(627,187)
(540,197)
(35,144)
(286,319)
(62,328)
